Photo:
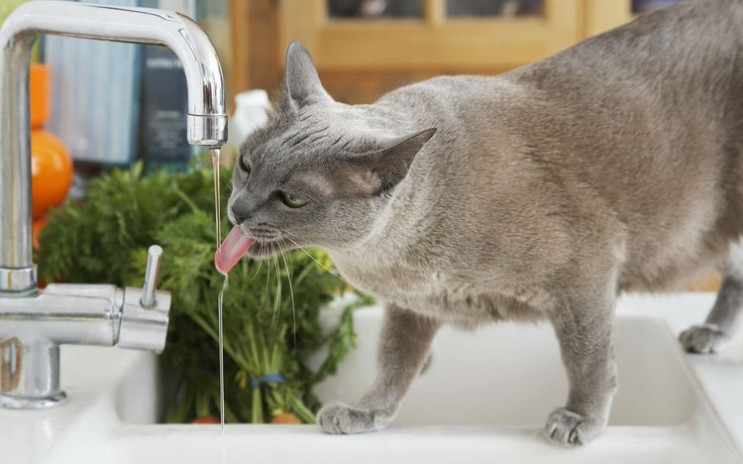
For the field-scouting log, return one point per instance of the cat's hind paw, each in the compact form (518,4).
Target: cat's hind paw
(340,419)
(704,339)
(567,428)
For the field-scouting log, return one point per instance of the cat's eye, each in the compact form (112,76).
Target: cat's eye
(292,201)
(241,160)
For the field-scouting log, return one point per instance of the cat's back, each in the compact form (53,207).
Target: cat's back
(678,43)
(647,118)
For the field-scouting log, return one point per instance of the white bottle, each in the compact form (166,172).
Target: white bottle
(251,112)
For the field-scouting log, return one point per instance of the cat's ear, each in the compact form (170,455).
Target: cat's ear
(380,170)
(303,85)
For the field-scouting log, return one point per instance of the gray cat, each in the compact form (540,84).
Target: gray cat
(539,194)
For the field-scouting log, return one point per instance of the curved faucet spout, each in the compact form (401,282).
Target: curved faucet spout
(206,120)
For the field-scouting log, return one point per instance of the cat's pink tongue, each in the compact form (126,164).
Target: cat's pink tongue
(232,249)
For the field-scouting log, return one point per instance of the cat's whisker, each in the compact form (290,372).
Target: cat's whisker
(291,293)
(271,265)
(257,271)
(279,295)
(265,289)
(315,260)
(312,257)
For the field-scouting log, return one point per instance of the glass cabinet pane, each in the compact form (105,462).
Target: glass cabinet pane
(489,8)
(644,6)
(370,9)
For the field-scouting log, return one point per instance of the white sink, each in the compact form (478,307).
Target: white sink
(484,399)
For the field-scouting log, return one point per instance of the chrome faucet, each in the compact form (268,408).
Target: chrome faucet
(34,322)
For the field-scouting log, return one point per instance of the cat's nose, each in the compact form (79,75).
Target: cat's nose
(239,219)
(243,207)
(238,215)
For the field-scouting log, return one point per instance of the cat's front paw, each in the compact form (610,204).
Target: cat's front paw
(704,339)
(567,428)
(341,419)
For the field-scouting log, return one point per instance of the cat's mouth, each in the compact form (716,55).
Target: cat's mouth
(257,245)
(265,248)
(269,241)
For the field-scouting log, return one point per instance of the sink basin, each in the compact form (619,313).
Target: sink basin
(483,398)
(512,375)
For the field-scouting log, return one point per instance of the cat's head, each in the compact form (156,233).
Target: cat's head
(319,173)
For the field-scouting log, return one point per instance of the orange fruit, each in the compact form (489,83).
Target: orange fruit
(285,418)
(51,171)
(205,420)
(39,102)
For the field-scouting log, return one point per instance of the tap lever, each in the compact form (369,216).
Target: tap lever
(150,277)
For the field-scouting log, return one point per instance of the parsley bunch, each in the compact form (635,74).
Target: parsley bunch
(271,308)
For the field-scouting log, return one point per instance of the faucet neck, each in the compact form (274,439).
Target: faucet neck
(16,265)
(206,124)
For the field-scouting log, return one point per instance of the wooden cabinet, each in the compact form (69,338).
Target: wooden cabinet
(359,59)
(432,42)
(602,15)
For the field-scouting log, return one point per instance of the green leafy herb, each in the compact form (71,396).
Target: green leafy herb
(271,308)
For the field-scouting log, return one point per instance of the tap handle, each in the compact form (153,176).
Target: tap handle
(143,324)
(150,277)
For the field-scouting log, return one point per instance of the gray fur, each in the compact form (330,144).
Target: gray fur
(725,319)
(544,193)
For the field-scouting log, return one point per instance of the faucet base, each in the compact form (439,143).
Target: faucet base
(13,402)
(18,281)
(29,372)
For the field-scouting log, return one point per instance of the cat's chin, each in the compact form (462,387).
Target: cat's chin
(262,249)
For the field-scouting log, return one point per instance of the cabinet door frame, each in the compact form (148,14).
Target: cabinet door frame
(433,42)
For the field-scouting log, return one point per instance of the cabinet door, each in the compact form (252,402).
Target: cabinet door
(437,37)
